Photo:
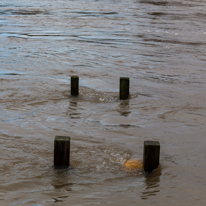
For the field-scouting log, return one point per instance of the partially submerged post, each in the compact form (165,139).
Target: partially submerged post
(61,151)
(151,155)
(74,85)
(124,88)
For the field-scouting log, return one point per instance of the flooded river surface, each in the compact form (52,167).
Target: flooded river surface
(159,44)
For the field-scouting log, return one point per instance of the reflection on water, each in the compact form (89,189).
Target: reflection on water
(124,109)
(61,179)
(152,184)
(73,105)
(72,111)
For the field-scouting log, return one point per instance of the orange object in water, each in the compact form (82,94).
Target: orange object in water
(133,164)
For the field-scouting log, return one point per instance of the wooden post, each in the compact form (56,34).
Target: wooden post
(124,88)
(61,151)
(151,155)
(74,85)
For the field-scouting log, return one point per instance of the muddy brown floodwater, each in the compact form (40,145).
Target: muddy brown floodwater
(160,45)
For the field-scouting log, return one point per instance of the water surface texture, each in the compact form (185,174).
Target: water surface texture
(159,44)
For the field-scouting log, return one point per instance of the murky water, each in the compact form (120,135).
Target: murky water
(159,44)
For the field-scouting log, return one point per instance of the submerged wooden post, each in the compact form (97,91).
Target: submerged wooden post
(74,85)
(61,151)
(124,88)
(151,155)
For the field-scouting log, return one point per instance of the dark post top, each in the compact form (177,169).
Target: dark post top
(74,77)
(62,138)
(126,78)
(152,143)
